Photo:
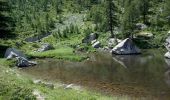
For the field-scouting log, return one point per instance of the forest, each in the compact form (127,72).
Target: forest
(75,32)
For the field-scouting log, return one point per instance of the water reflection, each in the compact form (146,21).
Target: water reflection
(140,75)
(126,60)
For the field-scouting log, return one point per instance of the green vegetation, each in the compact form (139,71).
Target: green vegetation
(70,21)
(60,53)
(16,86)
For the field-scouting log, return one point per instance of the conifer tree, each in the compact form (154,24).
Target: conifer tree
(130,17)
(167,10)
(111,16)
(6,23)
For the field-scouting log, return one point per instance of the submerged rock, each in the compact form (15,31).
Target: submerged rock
(90,38)
(126,47)
(45,47)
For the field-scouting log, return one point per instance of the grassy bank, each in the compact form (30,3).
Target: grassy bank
(65,53)
(16,86)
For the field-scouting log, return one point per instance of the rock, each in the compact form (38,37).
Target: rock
(96,44)
(90,38)
(106,48)
(141,26)
(13,53)
(45,47)
(167,43)
(92,42)
(38,95)
(167,55)
(167,62)
(126,47)
(145,35)
(167,77)
(49,85)
(70,86)
(169,32)
(37,81)
(22,62)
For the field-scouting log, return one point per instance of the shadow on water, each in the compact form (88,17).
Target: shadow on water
(145,75)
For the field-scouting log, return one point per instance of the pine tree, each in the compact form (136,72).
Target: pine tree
(143,6)
(6,23)
(111,16)
(167,10)
(130,17)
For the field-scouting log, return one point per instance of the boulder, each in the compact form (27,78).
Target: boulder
(13,53)
(141,26)
(126,47)
(167,43)
(45,47)
(22,60)
(145,35)
(90,38)
(167,55)
(97,44)
(169,32)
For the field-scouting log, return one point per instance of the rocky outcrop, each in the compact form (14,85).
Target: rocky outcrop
(126,47)
(90,38)
(45,47)
(22,61)
(167,45)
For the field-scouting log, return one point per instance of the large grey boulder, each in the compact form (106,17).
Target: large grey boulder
(22,61)
(126,47)
(90,38)
(13,53)
(45,47)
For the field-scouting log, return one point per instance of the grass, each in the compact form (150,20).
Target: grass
(17,86)
(65,53)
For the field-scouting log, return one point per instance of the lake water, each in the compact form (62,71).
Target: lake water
(146,75)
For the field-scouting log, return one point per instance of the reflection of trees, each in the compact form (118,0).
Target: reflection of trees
(6,23)
(141,71)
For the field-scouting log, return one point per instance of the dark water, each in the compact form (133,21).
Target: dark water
(146,75)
